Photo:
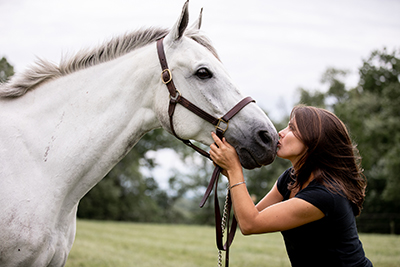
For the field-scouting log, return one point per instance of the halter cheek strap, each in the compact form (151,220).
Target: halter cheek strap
(221,125)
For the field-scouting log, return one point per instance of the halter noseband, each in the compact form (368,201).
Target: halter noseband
(221,125)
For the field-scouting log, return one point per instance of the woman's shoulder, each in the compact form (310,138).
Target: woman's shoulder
(327,200)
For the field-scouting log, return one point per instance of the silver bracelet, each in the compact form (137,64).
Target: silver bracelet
(236,185)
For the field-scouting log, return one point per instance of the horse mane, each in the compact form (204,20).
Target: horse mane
(44,70)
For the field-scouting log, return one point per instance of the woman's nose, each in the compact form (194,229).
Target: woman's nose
(282,133)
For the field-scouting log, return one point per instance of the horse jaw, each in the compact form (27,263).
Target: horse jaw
(256,144)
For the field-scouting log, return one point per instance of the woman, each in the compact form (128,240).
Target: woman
(314,203)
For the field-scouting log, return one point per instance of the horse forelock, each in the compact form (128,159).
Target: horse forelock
(202,39)
(45,70)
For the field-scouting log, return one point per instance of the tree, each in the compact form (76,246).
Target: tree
(373,108)
(6,70)
(127,194)
(371,111)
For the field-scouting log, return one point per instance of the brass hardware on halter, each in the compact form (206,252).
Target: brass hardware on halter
(176,96)
(162,76)
(224,124)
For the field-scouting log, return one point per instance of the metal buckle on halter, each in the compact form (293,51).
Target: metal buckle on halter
(170,76)
(225,124)
(176,96)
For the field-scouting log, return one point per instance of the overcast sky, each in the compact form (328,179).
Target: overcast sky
(270,48)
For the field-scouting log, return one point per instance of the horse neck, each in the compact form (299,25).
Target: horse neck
(87,121)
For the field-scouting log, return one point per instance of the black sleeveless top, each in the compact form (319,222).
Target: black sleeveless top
(330,241)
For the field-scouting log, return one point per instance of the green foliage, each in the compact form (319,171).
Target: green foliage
(373,114)
(336,93)
(6,70)
(126,194)
(337,88)
(316,99)
(371,111)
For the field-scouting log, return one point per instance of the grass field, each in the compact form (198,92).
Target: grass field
(101,244)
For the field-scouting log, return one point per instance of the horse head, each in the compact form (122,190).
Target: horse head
(200,77)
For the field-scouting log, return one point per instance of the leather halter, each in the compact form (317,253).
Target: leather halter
(221,125)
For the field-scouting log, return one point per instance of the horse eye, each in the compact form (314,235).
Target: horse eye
(204,73)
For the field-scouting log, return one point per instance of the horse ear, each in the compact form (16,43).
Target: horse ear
(197,24)
(180,26)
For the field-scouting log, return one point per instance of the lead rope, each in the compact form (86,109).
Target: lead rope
(221,125)
(223,224)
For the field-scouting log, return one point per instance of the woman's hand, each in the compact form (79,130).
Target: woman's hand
(224,155)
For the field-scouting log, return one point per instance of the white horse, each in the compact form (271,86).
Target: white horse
(64,127)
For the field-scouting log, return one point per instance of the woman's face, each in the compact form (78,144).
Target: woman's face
(290,147)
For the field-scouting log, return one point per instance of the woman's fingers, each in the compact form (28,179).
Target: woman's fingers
(220,143)
(216,139)
(215,147)
(223,154)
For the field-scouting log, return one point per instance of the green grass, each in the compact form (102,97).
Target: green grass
(116,244)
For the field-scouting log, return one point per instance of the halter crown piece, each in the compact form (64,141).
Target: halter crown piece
(221,125)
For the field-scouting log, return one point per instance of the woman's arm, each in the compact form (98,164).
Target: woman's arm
(270,215)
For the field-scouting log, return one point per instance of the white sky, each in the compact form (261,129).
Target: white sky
(270,48)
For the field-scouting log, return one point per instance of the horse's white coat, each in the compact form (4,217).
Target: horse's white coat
(60,139)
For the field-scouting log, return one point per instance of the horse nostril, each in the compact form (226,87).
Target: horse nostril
(265,137)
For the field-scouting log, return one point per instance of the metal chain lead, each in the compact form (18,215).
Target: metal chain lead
(223,224)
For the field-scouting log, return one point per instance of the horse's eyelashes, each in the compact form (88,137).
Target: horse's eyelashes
(204,73)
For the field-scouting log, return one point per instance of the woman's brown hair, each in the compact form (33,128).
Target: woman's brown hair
(330,156)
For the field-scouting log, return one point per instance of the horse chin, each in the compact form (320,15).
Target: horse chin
(250,161)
